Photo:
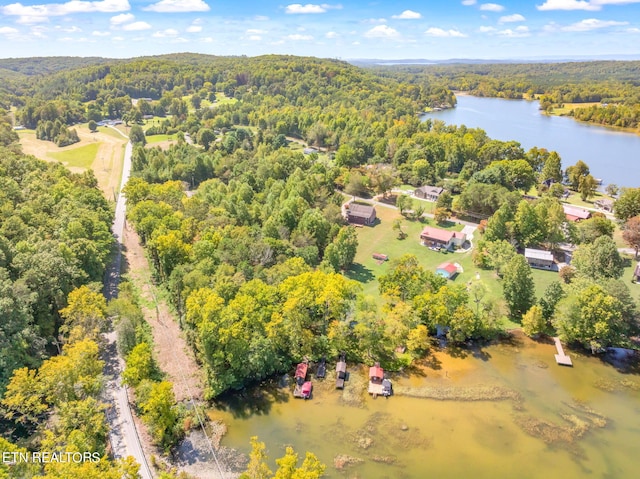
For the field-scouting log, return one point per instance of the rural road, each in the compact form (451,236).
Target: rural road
(123,434)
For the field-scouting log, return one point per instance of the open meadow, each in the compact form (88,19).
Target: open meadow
(102,152)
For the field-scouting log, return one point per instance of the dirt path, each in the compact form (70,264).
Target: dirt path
(171,350)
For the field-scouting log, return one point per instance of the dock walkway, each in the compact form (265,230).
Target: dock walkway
(561,358)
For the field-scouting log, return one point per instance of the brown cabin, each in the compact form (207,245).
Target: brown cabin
(360,214)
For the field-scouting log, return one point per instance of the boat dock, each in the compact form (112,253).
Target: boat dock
(341,371)
(561,358)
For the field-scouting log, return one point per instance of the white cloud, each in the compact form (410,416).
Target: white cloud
(469,2)
(439,32)
(8,30)
(118,39)
(169,32)
(97,33)
(382,31)
(179,40)
(633,30)
(122,18)
(613,2)
(567,5)
(484,29)
(516,17)
(491,7)
(207,40)
(255,38)
(176,6)
(299,9)
(136,26)
(518,32)
(31,20)
(260,18)
(194,29)
(255,31)
(68,8)
(72,29)
(591,24)
(331,35)
(407,15)
(296,37)
(374,21)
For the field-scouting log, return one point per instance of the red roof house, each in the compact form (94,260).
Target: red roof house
(431,236)
(573,213)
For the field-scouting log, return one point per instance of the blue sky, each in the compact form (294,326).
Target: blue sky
(434,29)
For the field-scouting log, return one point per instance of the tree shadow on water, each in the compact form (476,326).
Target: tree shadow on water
(252,400)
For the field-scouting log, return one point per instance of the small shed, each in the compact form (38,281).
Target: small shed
(322,369)
(636,274)
(538,258)
(447,270)
(376,374)
(387,389)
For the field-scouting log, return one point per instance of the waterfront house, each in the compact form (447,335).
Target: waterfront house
(604,204)
(436,237)
(360,214)
(573,213)
(431,193)
(538,258)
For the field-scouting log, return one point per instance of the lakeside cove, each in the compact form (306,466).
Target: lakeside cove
(522,121)
(490,411)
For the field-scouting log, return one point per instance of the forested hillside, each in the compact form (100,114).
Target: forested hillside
(54,237)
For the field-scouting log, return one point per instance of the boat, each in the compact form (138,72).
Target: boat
(387,389)
(305,391)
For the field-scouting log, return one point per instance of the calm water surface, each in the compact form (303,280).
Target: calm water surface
(612,155)
(558,423)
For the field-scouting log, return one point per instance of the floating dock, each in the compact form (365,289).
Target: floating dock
(561,358)
(341,371)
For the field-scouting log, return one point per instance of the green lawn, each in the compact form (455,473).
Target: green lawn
(382,239)
(159,138)
(81,157)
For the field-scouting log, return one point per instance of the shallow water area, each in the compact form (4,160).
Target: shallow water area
(504,411)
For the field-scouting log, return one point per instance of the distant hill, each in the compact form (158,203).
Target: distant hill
(46,65)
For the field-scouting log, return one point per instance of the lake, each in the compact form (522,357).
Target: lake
(505,411)
(611,154)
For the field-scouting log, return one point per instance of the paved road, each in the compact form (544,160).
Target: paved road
(123,434)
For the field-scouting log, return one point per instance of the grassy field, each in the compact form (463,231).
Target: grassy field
(102,151)
(159,138)
(569,107)
(81,157)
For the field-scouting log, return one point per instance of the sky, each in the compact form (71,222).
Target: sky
(350,29)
